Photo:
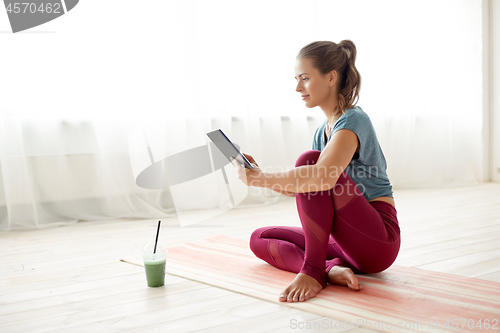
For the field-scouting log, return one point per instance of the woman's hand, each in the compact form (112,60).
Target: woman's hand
(251,160)
(254,177)
(251,177)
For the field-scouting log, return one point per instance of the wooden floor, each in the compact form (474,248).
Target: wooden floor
(70,279)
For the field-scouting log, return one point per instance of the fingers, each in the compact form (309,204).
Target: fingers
(236,163)
(250,159)
(239,170)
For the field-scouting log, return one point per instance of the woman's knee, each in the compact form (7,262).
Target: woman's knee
(379,263)
(308,157)
(256,240)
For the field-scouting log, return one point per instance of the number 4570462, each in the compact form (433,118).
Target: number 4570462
(32,8)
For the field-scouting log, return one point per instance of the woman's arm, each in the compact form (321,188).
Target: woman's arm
(321,176)
(288,194)
(254,163)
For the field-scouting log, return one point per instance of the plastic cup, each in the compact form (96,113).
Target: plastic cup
(154,263)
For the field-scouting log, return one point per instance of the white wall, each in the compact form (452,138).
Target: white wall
(494,83)
(486,85)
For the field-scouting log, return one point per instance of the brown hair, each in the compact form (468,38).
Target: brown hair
(327,56)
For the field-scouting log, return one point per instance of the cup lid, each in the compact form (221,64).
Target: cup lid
(149,247)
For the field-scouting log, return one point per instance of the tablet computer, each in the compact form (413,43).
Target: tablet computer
(227,148)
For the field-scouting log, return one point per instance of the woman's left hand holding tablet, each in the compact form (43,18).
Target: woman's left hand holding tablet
(250,177)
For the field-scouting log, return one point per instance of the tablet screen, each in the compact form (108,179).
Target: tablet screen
(227,148)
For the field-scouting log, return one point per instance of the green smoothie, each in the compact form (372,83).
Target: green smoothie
(155,270)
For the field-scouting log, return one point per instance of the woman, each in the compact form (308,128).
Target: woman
(344,197)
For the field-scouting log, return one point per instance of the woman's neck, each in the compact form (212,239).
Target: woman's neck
(330,109)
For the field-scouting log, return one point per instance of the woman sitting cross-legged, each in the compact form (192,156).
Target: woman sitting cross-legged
(343,194)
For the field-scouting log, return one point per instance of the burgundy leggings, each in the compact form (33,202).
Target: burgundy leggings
(339,227)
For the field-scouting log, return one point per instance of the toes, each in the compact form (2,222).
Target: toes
(284,295)
(304,296)
(354,287)
(353,282)
(293,296)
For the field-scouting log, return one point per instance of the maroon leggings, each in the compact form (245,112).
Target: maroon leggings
(339,227)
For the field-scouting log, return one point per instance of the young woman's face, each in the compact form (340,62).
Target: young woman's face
(315,88)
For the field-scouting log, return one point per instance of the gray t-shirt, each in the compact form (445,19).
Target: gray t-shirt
(368,169)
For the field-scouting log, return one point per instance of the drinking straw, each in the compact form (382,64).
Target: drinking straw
(157,233)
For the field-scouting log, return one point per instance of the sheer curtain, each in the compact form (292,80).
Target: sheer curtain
(76,89)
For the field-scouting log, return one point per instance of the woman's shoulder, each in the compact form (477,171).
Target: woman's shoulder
(356,116)
(356,120)
(356,112)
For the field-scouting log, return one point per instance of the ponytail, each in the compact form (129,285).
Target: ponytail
(327,56)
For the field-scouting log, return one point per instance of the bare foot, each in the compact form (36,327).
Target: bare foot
(343,276)
(302,288)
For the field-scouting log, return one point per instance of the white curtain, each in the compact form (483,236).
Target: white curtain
(75,89)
